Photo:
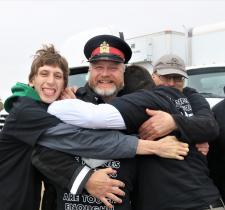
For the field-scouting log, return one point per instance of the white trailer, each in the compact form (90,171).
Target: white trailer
(206,60)
(149,48)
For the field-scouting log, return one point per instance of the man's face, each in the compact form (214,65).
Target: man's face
(169,80)
(106,77)
(48,82)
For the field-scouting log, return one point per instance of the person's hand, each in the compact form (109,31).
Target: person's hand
(203,148)
(101,186)
(68,93)
(160,124)
(170,147)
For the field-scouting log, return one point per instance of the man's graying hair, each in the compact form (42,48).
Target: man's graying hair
(49,56)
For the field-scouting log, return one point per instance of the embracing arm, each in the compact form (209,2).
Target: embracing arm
(199,128)
(89,143)
(87,115)
(100,144)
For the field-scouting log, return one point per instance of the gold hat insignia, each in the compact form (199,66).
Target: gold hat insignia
(104,47)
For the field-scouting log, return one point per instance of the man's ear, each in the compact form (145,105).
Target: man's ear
(153,75)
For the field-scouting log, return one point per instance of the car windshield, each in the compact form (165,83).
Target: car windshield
(78,80)
(209,82)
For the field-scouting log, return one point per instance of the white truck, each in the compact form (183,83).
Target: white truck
(206,61)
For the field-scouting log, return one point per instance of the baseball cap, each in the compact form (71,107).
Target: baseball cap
(107,47)
(170,64)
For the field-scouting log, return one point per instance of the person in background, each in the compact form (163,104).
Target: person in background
(216,157)
(170,71)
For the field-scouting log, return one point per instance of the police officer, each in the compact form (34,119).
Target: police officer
(107,55)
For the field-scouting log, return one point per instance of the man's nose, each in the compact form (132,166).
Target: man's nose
(171,82)
(50,79)
(105,72)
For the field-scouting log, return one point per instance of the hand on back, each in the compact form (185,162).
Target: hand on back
(103,187)
(159,124)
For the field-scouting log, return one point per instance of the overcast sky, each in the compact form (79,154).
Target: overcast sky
(26,25)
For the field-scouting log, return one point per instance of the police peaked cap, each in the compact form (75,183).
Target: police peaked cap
(107,47)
